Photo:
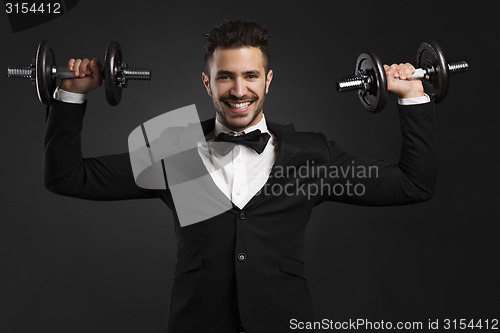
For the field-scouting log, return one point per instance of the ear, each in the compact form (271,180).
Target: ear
(206,82)
(269,78)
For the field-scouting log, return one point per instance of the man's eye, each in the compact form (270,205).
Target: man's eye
(223,78)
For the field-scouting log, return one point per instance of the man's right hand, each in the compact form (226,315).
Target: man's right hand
(87,75)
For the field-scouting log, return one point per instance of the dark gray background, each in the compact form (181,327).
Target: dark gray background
(70,265)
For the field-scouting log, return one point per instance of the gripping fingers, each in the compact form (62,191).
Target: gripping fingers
(71,62)
(80,67)
(76,67)
(405,71)
(390,71)
(96,68)
(410,68)
(84,68)
(401,71)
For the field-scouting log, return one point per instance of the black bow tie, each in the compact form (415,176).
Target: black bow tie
(224,143)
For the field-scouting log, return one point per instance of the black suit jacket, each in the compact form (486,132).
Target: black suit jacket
(248,264)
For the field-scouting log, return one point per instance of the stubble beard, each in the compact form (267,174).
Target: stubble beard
(234,126)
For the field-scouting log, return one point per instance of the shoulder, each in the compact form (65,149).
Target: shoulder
(307,144)
(288,132)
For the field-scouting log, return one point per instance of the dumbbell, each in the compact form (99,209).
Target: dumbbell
(371,84)
(43,73)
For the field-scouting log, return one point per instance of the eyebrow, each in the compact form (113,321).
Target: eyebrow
(254,72)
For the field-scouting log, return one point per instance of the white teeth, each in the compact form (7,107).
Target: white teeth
(239,105)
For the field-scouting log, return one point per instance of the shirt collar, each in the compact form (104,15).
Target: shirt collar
(261,125)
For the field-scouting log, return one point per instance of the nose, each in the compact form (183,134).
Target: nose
(239,88)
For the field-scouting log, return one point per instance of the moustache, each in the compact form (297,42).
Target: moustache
(235,99)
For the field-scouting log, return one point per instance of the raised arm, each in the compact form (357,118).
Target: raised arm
(413,178)
(380,183)
(66,171)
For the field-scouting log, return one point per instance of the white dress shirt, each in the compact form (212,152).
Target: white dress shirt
(243,172)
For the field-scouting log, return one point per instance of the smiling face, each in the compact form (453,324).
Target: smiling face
(238,84)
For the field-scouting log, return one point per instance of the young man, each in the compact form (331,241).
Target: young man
(245,267)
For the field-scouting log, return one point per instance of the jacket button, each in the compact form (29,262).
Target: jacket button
(243,216)
(242,257)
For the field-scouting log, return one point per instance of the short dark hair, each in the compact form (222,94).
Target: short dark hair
(235,34)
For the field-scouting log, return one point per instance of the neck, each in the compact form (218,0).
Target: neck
(254,122)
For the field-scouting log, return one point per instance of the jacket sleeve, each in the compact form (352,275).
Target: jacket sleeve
(68,173)
(380,183)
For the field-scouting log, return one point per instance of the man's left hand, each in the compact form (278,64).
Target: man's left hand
(399,83)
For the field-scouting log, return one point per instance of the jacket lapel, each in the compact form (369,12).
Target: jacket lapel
(286,138)
(286,150)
